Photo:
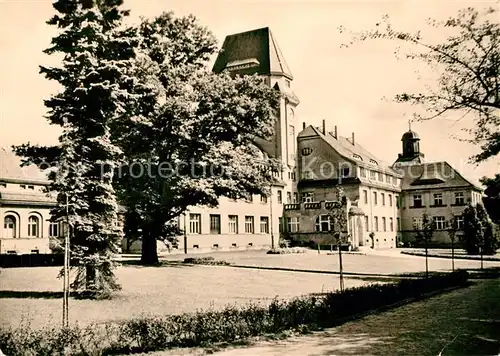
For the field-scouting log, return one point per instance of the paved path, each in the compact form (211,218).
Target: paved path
(461,322)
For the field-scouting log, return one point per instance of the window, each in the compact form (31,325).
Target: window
(287,81)
(375,223)
(438,199)
(214,224)
(417,223)
(324,223)
(249,225)
(417,201)
(390,199)
(394,181)
(380,176)
(33,226)
(250,198)
(264,225)
(358,157)
(307,175)
(3,185)
(384,224)
(362,172)
(280,197)
(391,224)
(32,187)
(263,198)
(367,224)
(460,222)
(459,198)
(387,178)
(307,197)
(372,175)
(375,198)
(54,229)
(398,200)
(365,196)
(295,197)
(233,224)
(383,198)
(9,227)
(22,186)
(398,224)
(439,222)
(195,223)
(344,172)
(292,224)
(373,162)
(288,197)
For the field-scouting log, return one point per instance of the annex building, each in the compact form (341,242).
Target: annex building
(384,202)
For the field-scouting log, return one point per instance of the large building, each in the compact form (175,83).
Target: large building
(254,223)
(384,202)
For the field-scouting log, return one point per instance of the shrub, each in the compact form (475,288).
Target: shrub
(227,325)
(204,261)
(286,251)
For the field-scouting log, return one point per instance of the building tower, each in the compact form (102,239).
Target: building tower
(411,149)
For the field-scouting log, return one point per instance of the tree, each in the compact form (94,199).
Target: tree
(452,233)
(96,57)
(492,199)
(192,136)
(472,236)
(423,235)
(489,243)
(468,67)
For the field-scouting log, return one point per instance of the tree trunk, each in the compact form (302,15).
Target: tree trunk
(149,254)
(90,278)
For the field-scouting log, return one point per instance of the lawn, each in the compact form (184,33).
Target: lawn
(151,290)
(390,263)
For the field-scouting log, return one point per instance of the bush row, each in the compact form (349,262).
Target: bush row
(227,325)
(31,260)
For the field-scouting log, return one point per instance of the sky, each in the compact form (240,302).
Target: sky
(344,86)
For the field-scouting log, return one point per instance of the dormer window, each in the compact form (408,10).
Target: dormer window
(358,157)
(288,83)
(373,161)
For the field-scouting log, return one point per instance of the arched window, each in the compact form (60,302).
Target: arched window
(324,223)
(33,226)
(9,226)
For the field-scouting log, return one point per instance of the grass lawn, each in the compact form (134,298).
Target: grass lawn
(394,263)
(33,294)
(462,322)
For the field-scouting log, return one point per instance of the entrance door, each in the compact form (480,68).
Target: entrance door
(360,230)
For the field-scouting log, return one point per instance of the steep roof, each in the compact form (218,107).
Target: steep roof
(432,175)
(344,147)
(22,198)
(252,52)
(11,170)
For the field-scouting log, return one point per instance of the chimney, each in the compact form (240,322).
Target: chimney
(303,126)
(353,142)
(324,127)
(336,137)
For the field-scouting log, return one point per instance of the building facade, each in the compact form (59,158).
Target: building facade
(370,186)
(435,188)
(255,223)
(24,208)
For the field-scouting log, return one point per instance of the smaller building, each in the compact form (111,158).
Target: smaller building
(24,208)
(435,188)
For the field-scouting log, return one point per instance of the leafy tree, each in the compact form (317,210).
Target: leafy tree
(472,236)
(489,243)
(468,67)
(423,235)
(492,199)
(96,57)
(193,132)
(452,233)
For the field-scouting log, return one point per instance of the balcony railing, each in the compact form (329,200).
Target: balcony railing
(311,205)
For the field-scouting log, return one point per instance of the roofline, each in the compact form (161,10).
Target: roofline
(27,181)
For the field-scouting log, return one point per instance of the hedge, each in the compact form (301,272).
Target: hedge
(230,324)
(31,260)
